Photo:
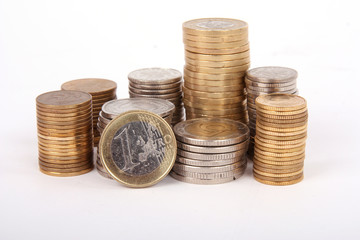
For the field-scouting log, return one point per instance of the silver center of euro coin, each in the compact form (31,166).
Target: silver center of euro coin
(215,24)
(138,148)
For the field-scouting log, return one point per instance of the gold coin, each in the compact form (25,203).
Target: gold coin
(275,145)
(279,155)
(278,179)
(200,112)
(66,170)
(61,153)
(69,134)
(283,117)
(303,127)
(281,142)
(64,131)
(214,70)
(278,175)
(67,146)
(63,166)
(211,94)
(215,101)
(209,51)
(229,111)
(45,111)
(70,174)
(77,137)
(215,27)
(217,58)
(204,88)
(279,150)
(217,77)
(64,123)
(65,142)
(282,183)
(64,115)
(263,111)
(273,167)
(75,158)
(65,127)
(275,161)
(242,119)
(96,86)
(281,102)
(63,99)
(101,99)
(281,125)
(222,64)
(282,137)
(218,39)
(65,119)
(277,171)
(282,121)
(227,45)
(138,148)
(220,84)
(259,128)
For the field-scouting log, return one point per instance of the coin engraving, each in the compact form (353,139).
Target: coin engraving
(138,148)
(215,24)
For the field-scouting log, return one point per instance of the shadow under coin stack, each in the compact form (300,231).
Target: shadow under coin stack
(164,83)
(265,80)
(216,59)
(281,130)
(112,109)
(210,150)
(64,126)
(101,90)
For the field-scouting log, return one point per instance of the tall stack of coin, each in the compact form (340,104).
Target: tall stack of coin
(101,90)
(112,109)
(281,130)
(210,150)
(65,138)
(216,59)
(164,83)
(265,80)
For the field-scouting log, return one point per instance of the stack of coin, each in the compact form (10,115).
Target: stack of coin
(101,90)
(138,148)
(161,83)
(281,129)
(65,138)
(210,150)
(216,59)
(112,109)
(265,80)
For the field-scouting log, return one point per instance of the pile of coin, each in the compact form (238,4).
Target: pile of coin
(65,138)
(138,148)
(101,90)
(164,83)
(216,59)
(210,150)
(112,109)
(265,80)
(281,130)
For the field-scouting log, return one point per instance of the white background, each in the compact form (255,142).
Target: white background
(45,43)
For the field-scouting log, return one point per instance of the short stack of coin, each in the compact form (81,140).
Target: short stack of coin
(281,130)
(101,90)
(65,138)
(265,80)
(164,83)
(210,150)
(216,59)
(112,109)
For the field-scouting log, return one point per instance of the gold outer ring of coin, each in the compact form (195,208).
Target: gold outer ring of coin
(234,50)
(208,163)
(217,58)
(213,64)
(216,39)
(274,161)
(213,150)
(281,102)
(216,77)
(151,178)
(175,85)
(227,45)
(214,70)
(212,94)
(160,91)
(94,86)
(57,174)
(282,183)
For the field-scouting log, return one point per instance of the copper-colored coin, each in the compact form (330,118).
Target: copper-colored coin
(62,153)
(277,171)
(281,137)
(279,161)
(57,174)
(281,125)
(66,170)
(281,142)
(267,121)
(234,116)
(80,110)
(77,137)
(68,134)
(278,179)
(280,183)
(295,154)
(277,129)
(85,116)
(281,102)
(90,85)
(263,144)
(65,127)
(77,157)
(70,122)
(278,175)
(63,99)
(62,165)
(229,111)
(291,132)
(217,77)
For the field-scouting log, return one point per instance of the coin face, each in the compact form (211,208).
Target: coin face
(281,102)
(138,148)
(156,105)
(214,25)
(272,74)
(63,99)
(211,132)
(90,85)
(152,76)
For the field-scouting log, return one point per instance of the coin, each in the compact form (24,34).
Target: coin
(216,39)
(220,112)
(223,149)
(272,74)
(213,64)
(210,157)
(162,96)
(249,83)
(218,70)
(226,168)
(155,76)
(138,148)
(217,107)
(211,132)
(207,163)
(282,183)
(280,180)
(214,84)
(217,58)
(213,89)
(214,101)
(217,45)
(90,85)
(150,92)
(218,77)
(175,85)
(196,93)
(215,27)
(63,100)
(277,171)
(209,176)
(206,181)
(281,102)
(303,114)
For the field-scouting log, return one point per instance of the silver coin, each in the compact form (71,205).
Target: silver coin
(210,157)
(258,93)
(249,82)
(160,107)
(103,173)
(272,89)
(175,85)
(222,149)
(153,76)
(153,92)
(271,74)
(162,96)
(206,181)
(225,168)
(209,176)
(211,132)
(209,163)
